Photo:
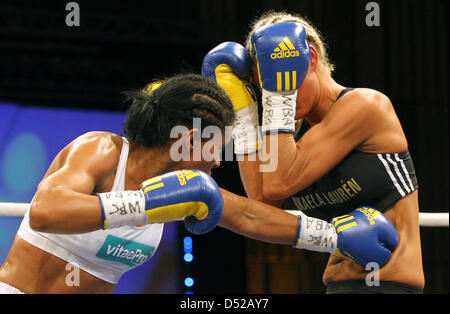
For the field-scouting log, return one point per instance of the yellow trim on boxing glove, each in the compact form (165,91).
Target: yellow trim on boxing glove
(178,211)
(235,88)
(344,254)
(338,253)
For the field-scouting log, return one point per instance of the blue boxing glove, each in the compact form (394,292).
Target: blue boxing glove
(365,235)
(229,65)
(191,195)
(283,56)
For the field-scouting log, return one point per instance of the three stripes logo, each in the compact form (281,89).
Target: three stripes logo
(398,172)
(370,213)
(152,184)
(344,222)
(185,175)
(287,77)
(348,221)
(156,182)
(285,49)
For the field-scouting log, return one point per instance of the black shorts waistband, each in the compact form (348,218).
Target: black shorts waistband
(360,287)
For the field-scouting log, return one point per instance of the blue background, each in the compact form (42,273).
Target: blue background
(30,137)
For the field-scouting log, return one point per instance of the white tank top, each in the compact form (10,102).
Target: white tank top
(106,254)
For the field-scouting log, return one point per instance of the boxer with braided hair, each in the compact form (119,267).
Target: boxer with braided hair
(103,202)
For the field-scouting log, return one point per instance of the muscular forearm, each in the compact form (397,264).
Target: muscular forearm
(252,179)
(257,220)
(265,174)
(60,210)
(283,155)
(263,222)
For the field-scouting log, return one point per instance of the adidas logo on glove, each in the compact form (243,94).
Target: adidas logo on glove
(285,49)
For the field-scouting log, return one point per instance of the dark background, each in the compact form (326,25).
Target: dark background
(122,45)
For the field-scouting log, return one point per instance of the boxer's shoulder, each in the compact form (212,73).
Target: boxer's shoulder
(365,103)
(96,150)
(97,143)
(365,97)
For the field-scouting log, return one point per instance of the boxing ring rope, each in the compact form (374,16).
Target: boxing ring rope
(425,219)
(13,209)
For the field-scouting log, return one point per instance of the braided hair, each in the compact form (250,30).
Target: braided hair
(163,105)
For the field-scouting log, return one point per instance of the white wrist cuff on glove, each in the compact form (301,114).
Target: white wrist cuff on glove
(123,208)
(316,235)
(279,111)
(245,130)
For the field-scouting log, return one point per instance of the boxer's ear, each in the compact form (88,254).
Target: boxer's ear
(194,138)
(314,61)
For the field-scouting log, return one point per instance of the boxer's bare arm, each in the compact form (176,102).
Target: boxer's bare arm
(251,177)
(257,220)
(63,202)
(362,120)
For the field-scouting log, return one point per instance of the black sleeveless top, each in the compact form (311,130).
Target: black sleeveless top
(360,179)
